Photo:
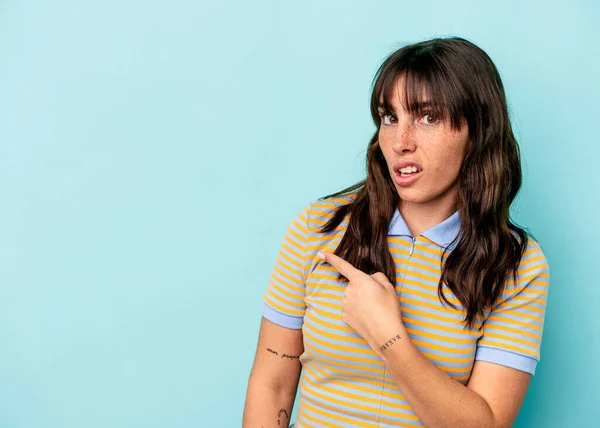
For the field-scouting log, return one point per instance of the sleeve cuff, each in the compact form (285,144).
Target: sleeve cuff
(506,358)
(281,319)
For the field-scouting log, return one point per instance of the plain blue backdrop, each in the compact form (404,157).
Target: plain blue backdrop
(153,153)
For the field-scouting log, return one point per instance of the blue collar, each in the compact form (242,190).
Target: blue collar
(443,234)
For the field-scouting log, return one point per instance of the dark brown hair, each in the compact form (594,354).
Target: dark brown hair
(463,86)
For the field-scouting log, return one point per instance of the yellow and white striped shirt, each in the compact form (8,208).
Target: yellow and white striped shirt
(344,383)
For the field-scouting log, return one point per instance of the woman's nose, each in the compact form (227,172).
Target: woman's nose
(404,140)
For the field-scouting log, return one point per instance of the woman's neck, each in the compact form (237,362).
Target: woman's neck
(420,217)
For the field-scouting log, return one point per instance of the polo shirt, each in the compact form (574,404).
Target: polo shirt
(343,382)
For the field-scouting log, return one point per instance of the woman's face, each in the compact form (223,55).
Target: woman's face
(423,154)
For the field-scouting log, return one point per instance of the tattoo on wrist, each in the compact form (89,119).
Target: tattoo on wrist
(390,342)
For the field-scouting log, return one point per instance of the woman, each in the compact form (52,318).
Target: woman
(410,299)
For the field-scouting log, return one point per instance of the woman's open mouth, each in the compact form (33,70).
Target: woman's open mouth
(407,175)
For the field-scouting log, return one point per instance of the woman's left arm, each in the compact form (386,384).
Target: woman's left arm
(494,393)
(492,398)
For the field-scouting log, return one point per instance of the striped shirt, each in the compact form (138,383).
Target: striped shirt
(343,382)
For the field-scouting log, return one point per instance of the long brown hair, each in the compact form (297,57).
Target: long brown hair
(462,84)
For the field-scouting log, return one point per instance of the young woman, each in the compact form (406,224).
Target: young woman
(410,298)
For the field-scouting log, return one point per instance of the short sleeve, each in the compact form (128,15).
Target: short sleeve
(512,333)
(283,302)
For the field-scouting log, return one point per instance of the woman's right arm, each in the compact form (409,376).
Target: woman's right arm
(274,377)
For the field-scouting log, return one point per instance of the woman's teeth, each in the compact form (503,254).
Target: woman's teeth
(408,170)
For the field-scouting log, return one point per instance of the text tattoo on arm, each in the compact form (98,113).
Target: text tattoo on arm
(287,356)
(390,342)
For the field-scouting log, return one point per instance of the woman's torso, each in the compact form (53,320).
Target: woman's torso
(344,382)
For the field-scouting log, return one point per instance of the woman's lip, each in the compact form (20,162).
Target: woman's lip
(407,180)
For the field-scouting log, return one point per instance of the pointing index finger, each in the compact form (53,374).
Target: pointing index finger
(341,265)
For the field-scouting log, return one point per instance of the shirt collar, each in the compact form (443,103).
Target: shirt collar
(443,234)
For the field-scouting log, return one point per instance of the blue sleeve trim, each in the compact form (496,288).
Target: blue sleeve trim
(280,319)
(506,358)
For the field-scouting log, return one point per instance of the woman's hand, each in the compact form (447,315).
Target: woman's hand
(370,304)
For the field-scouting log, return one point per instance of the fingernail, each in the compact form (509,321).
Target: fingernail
(321,255)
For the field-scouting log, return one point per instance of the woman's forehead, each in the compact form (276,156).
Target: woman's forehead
(411,95)
(404,92)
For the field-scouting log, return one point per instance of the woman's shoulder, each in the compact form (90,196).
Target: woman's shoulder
(532,250)
(533,265)
(321,211)
(533,253)
(532,277)
(328,206)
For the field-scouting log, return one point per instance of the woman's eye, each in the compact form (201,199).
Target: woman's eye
(388,119)
(429,118)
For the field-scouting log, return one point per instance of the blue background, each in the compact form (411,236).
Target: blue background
(153,153)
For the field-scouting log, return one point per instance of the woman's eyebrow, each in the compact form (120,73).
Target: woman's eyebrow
(383,108)
(417,104)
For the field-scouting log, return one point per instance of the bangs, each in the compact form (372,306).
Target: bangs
(428,89)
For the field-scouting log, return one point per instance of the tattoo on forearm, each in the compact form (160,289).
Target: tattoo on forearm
(287,356)
(285,414)
(390,342)
(290,357)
